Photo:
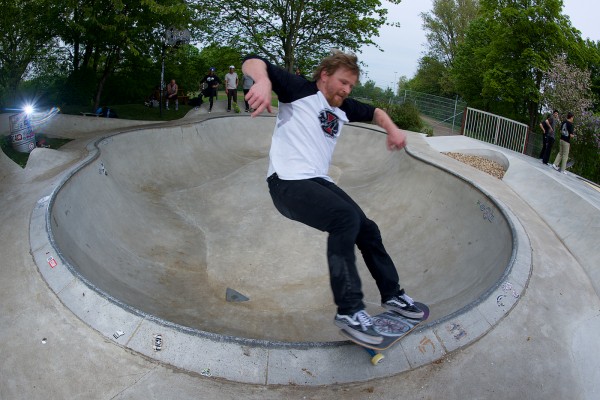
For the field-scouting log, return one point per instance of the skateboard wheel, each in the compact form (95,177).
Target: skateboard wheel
(377,358)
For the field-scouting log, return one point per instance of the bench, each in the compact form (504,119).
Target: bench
(182,98)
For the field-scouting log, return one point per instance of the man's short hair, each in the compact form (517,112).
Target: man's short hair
(334,61)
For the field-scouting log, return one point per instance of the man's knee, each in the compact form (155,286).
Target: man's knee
(369,231)
(345,219)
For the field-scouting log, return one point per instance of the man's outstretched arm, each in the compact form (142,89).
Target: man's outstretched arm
(259,96)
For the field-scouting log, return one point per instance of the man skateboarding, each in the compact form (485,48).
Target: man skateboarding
(309,123)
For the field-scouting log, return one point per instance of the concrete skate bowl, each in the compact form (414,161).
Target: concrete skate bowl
(163,220)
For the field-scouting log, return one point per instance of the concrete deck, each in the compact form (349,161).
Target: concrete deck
(49,352)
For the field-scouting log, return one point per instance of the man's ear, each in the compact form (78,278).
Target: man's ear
(324,75)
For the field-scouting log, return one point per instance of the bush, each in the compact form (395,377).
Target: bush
(405,115)
(585,149)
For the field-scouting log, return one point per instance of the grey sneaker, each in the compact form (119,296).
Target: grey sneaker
(360,326)
(403,305)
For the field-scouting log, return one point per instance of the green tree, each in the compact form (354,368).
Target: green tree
(26,34)
(368,90)
(585,149)
(432,77)
(506,51)
(591,62)
(446,26)
(294,33)
(220,57)
(104,34)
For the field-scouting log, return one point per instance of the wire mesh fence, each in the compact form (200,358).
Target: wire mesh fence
(445,111)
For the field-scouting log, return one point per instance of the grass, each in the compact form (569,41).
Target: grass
(22,158)
(140,112)
(137,112)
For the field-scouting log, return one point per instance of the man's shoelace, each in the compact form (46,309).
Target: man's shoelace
(364,319)
(407,298)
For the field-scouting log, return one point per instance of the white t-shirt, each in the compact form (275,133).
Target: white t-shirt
(231,80)
(305,137)
(307,127)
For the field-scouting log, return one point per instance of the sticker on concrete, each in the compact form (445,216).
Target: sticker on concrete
(488,213)
(118,334)
(456,330)
(101,169)
(508,287)
(158,342)
(52,262)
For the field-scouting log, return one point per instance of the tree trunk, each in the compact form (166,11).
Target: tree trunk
(111,61)
(76,43)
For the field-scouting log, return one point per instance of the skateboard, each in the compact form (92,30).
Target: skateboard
(393,327)
(569,164)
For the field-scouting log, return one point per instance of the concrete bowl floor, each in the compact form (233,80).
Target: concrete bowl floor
(163,220)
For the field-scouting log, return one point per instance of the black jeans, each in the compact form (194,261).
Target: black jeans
(246,101)
(231,94)
(544,144)
(323,205)
(548,149)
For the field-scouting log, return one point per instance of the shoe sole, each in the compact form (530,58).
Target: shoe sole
(404,313)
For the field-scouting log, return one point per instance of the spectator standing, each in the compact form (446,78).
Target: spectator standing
(247,83)
(231,84)
(212,83)
(549,126)
(566,133)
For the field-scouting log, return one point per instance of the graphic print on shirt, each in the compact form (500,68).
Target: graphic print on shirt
(329,123)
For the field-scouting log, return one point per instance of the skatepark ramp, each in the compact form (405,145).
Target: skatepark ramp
(162,221)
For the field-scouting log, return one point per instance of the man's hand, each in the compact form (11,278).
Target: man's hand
(396,138)
(259,96)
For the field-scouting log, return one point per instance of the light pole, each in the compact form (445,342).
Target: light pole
(162,78)
(173,38)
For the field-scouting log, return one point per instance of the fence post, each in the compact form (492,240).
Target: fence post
(497,130)
(454,113)
(464,121)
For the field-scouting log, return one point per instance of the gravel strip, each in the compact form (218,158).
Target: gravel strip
(481,163)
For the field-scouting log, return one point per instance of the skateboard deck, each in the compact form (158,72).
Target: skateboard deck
(393,327)
(569,164)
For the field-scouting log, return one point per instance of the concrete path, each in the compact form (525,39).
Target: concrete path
(545,348)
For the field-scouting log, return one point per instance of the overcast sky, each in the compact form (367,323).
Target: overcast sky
(404,46)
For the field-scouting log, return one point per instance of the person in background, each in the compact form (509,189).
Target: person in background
(247,83)
(212,83)
(566,134)
(172,90)
(231,84)
(549,125)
